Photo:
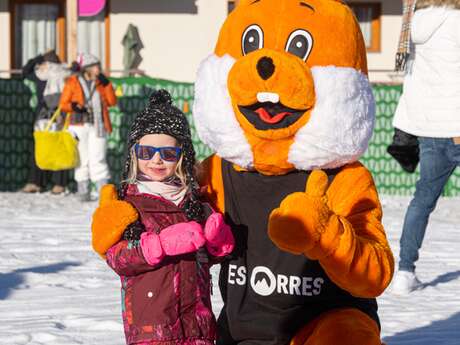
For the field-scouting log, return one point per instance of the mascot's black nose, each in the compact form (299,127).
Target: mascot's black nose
(265,67)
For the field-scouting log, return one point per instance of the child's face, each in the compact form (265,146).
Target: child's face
(92,72)
(156,168)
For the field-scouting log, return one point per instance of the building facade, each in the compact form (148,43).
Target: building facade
(176,35)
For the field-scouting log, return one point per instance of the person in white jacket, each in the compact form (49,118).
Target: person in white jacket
(430,109)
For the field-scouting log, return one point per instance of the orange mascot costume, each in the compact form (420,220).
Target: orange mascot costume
(286,105)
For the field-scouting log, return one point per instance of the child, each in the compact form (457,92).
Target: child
(163,258)
(87,96)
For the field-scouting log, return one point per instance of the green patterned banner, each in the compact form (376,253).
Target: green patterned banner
(17,103)
(16,124)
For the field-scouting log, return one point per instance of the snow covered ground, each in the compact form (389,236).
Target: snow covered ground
(54,290)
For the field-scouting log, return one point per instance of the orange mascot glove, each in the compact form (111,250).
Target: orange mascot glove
(340,226)
(110,220)
(304,223)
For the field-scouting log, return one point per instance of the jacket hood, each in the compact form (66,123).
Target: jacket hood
(426,22)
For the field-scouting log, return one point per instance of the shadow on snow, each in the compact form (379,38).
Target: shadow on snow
(12,280)
(443,278)
(443,332)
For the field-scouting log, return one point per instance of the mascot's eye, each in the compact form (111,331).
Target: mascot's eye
(300,43)
(253,39)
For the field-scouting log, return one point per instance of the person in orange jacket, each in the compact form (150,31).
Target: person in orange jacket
(87,96)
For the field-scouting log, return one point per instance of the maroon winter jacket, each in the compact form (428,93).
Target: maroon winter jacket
(169,302)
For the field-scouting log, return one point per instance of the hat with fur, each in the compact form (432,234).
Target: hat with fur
(162,117)
(86,60)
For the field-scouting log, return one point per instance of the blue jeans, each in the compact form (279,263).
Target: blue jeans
(438,159)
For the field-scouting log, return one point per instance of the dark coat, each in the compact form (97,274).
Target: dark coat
(169,302)
(28,72)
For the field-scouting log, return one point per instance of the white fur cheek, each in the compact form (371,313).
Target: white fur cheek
(341,123)
(213,114)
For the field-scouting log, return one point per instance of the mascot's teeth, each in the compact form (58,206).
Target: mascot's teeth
(263,97)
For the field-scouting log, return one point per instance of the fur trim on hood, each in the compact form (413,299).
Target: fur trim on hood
(437,3)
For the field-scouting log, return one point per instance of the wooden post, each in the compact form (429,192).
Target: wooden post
(72,27)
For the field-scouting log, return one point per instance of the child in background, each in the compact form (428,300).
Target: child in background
(87,96)
(163,258)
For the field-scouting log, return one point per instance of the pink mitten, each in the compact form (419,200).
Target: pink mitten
(219,237)
(151,248)
(182,238)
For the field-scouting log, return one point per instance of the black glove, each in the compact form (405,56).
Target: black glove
(404,149)
(77,108)
(103,79)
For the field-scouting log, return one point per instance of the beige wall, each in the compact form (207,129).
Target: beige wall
(174,51)
(4,37)
(390,30)
(175,43)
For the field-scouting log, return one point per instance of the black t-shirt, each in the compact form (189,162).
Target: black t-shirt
(270,294)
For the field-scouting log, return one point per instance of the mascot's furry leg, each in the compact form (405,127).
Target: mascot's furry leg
(343,326)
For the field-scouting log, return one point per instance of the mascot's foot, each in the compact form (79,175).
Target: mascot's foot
(341,326)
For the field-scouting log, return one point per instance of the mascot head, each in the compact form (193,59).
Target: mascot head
(286,88)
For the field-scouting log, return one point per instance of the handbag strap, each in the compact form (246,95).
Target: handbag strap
(53,118)
(67,121)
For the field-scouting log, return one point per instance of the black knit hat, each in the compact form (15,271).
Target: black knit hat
(161,117)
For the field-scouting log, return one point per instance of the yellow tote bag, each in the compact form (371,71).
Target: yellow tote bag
(56,150)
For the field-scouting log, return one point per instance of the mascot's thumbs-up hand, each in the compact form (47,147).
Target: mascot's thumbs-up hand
(110,219)
(304,223)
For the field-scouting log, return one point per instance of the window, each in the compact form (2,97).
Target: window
(93,36)
(40,25)
(36,26)
(369,17)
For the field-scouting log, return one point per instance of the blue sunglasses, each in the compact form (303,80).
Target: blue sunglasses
(167,153)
